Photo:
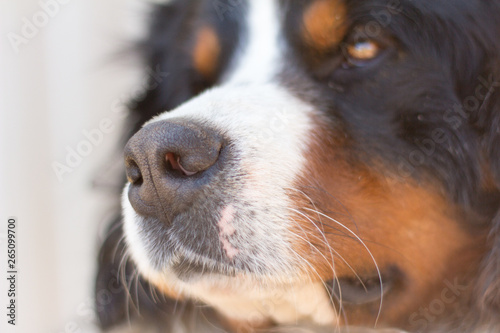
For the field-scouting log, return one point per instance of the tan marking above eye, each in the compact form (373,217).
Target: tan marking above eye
(206,51)
(364,50)
(324,23)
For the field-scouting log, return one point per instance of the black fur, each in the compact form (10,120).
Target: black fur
(439,55)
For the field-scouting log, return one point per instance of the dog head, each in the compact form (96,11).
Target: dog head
(328,161)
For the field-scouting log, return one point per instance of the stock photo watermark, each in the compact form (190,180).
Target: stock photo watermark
(31,26)
(74,156)
(12,270)
(461,113)
(450,294)
(94,137)
(381,19)
(85,312)
(454,117)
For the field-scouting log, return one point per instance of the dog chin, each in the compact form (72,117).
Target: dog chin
(188,269)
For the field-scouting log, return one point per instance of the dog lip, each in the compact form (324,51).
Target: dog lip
(187,269)
(364,289)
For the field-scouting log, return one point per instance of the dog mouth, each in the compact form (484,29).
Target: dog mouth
(364,289)
(187,269)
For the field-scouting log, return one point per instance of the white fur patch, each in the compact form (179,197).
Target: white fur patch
(286,304)
(258,60)
(269,130)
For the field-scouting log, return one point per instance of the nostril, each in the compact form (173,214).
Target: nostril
(168,163)
(175,164)
(133,172)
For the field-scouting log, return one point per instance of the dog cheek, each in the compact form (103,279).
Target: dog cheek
(345,209)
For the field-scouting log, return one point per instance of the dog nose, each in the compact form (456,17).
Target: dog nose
(167,164)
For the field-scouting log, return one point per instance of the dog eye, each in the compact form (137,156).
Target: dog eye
(361,52)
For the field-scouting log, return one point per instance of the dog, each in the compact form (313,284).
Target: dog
(312,166)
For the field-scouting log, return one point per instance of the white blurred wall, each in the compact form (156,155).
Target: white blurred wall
(65,80)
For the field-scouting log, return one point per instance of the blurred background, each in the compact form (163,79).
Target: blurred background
(63,88)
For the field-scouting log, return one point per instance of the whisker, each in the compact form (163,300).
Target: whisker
(335,276)
(312,245)
(154,294)
(118,245)
(127,284)
(123,280)
(324,241)
(313,268)
(327,244)
(347,213)
(369,252)
(338,254)
(130,304)
(322,282)
(136,278)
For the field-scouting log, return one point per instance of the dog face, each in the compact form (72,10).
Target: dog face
(332,157)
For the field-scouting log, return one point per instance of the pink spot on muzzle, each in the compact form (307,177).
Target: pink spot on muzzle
(226,229)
